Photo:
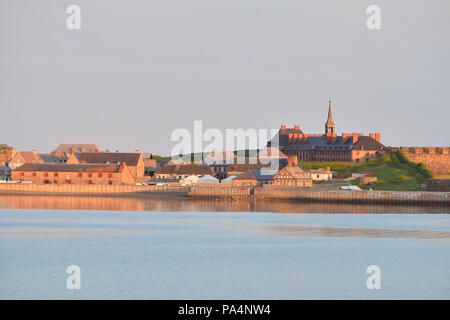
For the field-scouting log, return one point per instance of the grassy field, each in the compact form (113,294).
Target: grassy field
(392,172)
(442,176)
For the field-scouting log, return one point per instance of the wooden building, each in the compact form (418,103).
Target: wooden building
(292,177)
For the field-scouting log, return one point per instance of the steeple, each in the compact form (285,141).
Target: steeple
(329,125)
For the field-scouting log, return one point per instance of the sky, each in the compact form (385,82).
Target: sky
(138,70)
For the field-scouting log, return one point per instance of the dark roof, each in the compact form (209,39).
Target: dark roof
(52,158)
(256,175)
(246,167)
(79,147)
(367,143)
(320,143)
(131,159)
(55,167)
(199,169)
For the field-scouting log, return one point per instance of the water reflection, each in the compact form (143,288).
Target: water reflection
(170,203)
(317,231)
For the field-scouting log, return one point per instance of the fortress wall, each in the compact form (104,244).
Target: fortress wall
(388,197)
(437,160)
(84,189)
(437,185)
(311,195)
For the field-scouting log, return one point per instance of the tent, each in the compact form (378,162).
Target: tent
(207,179)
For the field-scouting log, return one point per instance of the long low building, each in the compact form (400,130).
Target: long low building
(52,173)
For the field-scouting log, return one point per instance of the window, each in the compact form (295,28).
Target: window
(34,174)
(45,174)
(68,182)
(56,174)
(90,175)
(80,174)
(55,182)
(109,182)
(90,182)
(110,175)
(100,175)
(22,174)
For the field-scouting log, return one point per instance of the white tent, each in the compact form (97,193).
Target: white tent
(228,180)
(190,180)
(350,188)
(207,179)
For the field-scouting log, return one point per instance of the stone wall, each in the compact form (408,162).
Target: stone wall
(442,185)
(311,195)
(437,160)
(20,188)
(388,197)
(236,193)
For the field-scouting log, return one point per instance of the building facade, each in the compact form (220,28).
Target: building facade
(51,173)
(292,177)
(133,160)
(328,146)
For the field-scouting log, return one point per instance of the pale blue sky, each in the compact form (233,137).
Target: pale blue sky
(137,70)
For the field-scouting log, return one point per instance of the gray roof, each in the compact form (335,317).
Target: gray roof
(319,143)
(130,158)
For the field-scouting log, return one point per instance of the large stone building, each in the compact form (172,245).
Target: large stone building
(328,146)
(52,173)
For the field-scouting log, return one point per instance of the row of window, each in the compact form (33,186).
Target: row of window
(68,181)
(79,174)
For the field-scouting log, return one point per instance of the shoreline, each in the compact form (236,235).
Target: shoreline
(243,194)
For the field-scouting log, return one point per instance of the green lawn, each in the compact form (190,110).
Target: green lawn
(442,176)
(393,172)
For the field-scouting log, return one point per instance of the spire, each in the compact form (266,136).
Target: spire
(329,125)
(330,116)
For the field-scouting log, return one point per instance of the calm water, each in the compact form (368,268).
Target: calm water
(180,249)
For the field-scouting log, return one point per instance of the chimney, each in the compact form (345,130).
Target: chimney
(372,135)
(297,127)
(117,150)
(70,142)
(328,169)
(283,126)
(137,151)
(83,149)
(97,149)
(107,150)
(290,137)
(292,161)
(91,142)
(377,137)
(355,137)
